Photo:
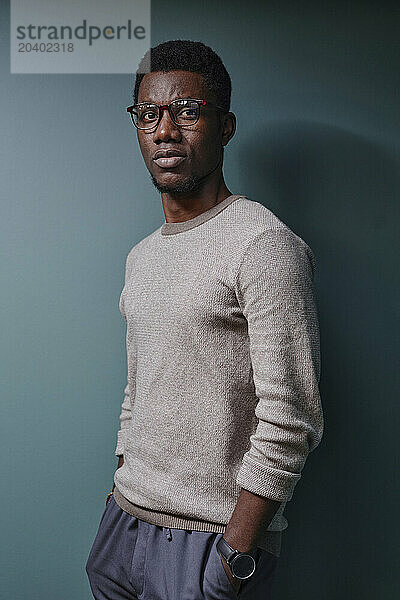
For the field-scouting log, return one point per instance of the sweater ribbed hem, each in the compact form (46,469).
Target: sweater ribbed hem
(267,540)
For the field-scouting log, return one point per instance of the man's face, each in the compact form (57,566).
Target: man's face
(200,144)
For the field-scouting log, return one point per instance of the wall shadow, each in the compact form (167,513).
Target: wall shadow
(340,192)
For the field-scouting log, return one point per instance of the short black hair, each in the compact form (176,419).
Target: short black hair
(186,55)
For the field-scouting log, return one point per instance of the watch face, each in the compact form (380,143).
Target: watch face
(243,565)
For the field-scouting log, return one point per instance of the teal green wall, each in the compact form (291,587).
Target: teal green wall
(316,94)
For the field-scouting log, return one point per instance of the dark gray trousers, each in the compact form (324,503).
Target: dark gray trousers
(134,560)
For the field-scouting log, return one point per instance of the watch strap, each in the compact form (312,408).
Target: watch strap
(226,550)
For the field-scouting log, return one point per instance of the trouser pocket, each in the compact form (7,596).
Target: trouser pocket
(217,585)
(109,565)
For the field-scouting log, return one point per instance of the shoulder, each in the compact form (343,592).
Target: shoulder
(142,247)
(261,234)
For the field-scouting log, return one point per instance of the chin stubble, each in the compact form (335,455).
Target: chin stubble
(191,184)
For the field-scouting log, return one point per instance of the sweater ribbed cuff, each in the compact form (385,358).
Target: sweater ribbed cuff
(266,481)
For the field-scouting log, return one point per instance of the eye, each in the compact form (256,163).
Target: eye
(148,115)
(187,113)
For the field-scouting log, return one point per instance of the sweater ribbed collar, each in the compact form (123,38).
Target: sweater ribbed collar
(171,228)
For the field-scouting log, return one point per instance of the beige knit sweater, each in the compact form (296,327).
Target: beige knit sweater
(223,362)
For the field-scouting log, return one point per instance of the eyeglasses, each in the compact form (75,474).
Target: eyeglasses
(184,111)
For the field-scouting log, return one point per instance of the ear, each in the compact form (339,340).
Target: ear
(228,123)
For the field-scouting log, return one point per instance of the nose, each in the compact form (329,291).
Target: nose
(166,129)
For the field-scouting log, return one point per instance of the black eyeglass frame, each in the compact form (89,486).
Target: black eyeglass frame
(162,107)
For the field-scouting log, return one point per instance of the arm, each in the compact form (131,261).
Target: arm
(241,532)
(275,292)
(120,463)
(124,419)
(125,414)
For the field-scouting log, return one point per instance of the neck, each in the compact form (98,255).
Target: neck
(184,206)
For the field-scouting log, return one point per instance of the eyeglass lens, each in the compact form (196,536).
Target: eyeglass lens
(184,112)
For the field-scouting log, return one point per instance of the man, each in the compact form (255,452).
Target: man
(221,406)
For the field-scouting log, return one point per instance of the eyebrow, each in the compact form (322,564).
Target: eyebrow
(150,102)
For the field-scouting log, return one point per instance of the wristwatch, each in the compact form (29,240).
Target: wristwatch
(241,564)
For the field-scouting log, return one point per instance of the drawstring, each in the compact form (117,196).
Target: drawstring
(168,533)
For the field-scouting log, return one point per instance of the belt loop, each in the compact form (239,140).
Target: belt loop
(168,533)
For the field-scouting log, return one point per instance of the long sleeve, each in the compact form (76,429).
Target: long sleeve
(124,419)
(125,415)
(274,287)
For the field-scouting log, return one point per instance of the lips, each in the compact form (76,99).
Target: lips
(168,159)
(169,162)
